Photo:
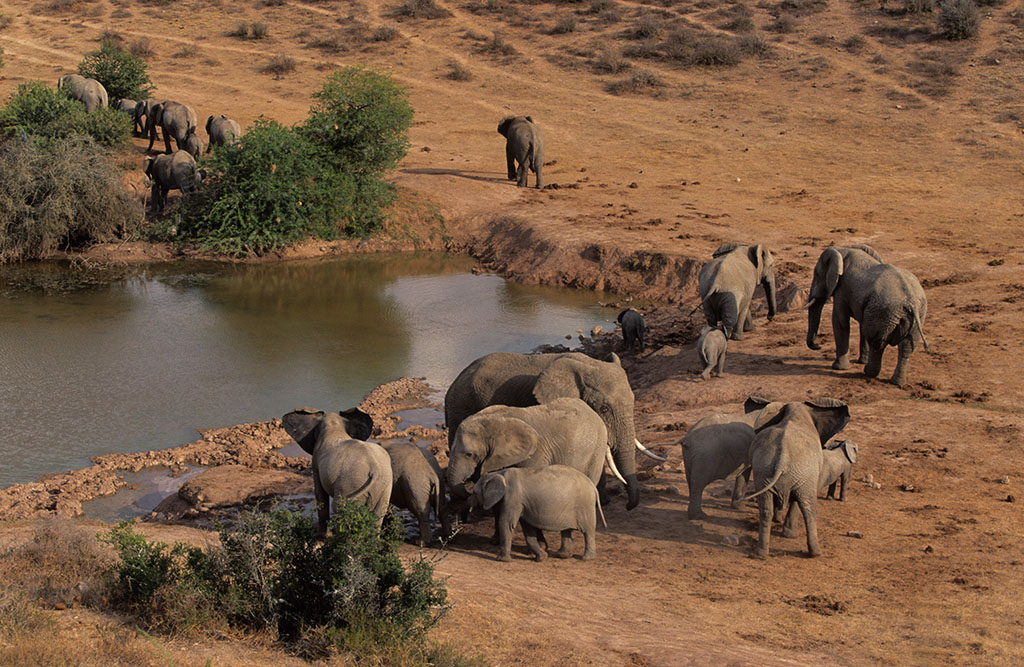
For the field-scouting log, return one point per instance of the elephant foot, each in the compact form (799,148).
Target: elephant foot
(737,335)
(562,554)
(760,554)
(706,375)
(814,554)
(697,516)
(841,364)
(541,556)
(860,360)
(504,558)
(790,532)
(588,555)
(900,382)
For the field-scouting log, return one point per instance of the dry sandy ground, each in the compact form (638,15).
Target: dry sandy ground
(845,134)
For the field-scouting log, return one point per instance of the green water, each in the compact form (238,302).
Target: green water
(139,362)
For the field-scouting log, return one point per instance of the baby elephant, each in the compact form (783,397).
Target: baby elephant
(632,328)
(711,348)
(837,467)
(524,143)
(549,498)
(418,487)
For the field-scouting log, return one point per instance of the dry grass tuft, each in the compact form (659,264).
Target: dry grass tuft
(279,65)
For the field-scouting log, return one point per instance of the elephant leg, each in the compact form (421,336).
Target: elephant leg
(841,331)
(789,526)
(842,486)
(874,365)
(511,160)
(323,508)
(167,141)
(764,507)
(521,173)
(720,367)
(506,525)
(748,321)
(694,511)
(426,534)
(496,538)
(808,508)
(565,551)
(531,534)
(739,487)
(731,317)
(706,373)
(904,350)
(589,548)
(863,358)
(540,178)
(154,198)
(832,490)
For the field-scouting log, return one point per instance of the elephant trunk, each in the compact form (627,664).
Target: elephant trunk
(623,445)
(769,292)
(813,320)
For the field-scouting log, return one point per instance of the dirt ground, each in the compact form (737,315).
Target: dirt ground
(860,126)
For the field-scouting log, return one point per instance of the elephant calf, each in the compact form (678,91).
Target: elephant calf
(176,171)
(711,347)
(345,466)
(418,487)
(714,448)
(524,143)
(837,467)
(222,130)
(549,498)
(727,283)
(193,143)
(632,328)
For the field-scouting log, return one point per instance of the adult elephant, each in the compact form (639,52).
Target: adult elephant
(221,130)
(143,109)
(175,119)
(345,466)
(564,431)
(888,302)
(524,144)
(176,171)
(727,284)
(89,92)
(786,457)
(714,448)
(522,380)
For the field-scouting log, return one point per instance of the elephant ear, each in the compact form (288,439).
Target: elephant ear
(619,318)
(726,248)
(561,379)
(850,449)
(301,424)
(761,258)
(208,122)
(613,358)
(869,250)
(833,261)
(770,415)
(510,441)
(503,125)
(830,416)
(358,424)
(755,403)
(491,489)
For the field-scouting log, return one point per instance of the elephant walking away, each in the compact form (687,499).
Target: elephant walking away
(549,498)
(89,92)
(126,105)
(176,171)
(524,144)
(837,467)
(711,347)
(417,485)
(143,109)
(888,302)
(786,459)
(727,283)
(221,130)
(174,120)
(632,329)
(345,466)
(193,143)
(522,380)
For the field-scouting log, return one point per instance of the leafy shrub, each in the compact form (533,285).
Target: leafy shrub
(64,193)
(421,9)
(121,73)
(279,65)
(958,19)
(361,118)
(38,111)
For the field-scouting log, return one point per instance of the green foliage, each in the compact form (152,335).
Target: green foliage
(59,194)
(270,572)
(121,73)
(45,114)
(959,19)
(362,118)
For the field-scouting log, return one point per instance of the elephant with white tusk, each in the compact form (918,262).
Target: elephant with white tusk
(345,466)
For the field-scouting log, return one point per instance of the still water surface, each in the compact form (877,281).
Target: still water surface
(139,363)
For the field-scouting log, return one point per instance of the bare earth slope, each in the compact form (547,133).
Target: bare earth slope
(858,126)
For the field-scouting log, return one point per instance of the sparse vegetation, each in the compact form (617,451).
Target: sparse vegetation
(648,26)
(332,44)
(241,30)
(279,65)
(5,20)
(421,9)
(384,33)
(141,48)
(754,45)
(958,19)
(498,45)
(459,72)
(564,25)
(258,30)
(918,6)
(121,73)
(611,60)
(37,112)
(784,24)
(715,51)
(186,51)
(641,80)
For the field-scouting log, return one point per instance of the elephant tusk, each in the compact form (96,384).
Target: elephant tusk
(611,465)
(649,452)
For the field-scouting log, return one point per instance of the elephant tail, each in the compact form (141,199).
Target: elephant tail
(766,487)
(436,491)
(714,290)
(917,323)
(361,489)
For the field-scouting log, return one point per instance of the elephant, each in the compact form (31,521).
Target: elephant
(89,92)
(632,328)
(714,448)
(553,497)
(727,283)
(837,467)
(193,143)
(524,143)
(143,109)
(565,431)
(417,485)
(711,347)
(888,302)
(345,466)
(521,380)
(221,130)
(786,459)
(174,120)
(126,105)
(176,171)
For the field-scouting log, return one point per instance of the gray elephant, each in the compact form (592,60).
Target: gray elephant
(193,143)
(176,171)
(632,328)
(89,92)
(888,302)
(345,466)
(786,458)
(126,105)
(417,485)
(143,110)
(727,284)
(522,380)
(221,130)
(549,498)
(837,467)
(524,144)
(174,120)
(711,347)
(565,431)
(717,447)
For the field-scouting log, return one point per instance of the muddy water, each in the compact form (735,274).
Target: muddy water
(140,362)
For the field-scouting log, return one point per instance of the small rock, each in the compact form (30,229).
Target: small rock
(731,540)
(1004,479)
(1010,499)
(579,331)
(875,485)
(633,185)
(869,478)
(568,336)
(60,606)
(596,331)
(854,533)
(909,488)
(425,149)
(737,179)
(929,549)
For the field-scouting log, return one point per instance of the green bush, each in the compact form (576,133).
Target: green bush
(61,194)
(45,114)
(361,118)
(271,572)
(121,73)
(959,19)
